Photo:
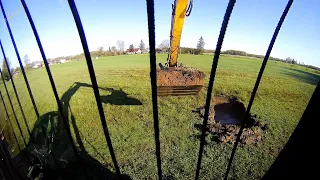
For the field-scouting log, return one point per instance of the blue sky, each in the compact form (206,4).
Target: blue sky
(250,28)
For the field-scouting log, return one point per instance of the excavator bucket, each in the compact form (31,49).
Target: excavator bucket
(179,81)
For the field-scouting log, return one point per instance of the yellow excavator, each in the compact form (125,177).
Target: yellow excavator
(174,79)
(180,10)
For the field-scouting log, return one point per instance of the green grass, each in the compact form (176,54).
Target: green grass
(281,99)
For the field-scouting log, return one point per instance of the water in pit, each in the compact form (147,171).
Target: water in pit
(228,113)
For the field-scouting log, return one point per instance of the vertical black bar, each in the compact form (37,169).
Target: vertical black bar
(5,170)
(14,113)
(15,90)
(8,117)
(9,166)
(93,81)
(54,89)
(7,156)
(2,129)
(255,88)
(211,80)
(153,76)
(20,63)
(53,86)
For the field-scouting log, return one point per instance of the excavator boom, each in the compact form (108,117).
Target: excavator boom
(179,11)
(173,80)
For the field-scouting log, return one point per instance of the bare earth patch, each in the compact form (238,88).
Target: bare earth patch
(225,118)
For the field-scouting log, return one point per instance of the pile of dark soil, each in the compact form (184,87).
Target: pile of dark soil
(225,118)
(180,76)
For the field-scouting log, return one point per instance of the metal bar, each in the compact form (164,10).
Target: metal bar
(54,89)
(9,166)
(7,156)
(93,81)
(15,91)
(14,134)
(3,154)
(14,113)
(4,169)
(211,80)
(254,91)
(5,124)
(153,76)
(20,63)
(13,85)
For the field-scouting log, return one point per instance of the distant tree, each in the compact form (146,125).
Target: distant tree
(113,49)
(164,45)
(26,59)
(288,60)
(200,46)
(142,45)
(109,49)
(16,70)
(5,71)
(294,61)
(158,50)
(239,53)
(131,48)
(100,51)
(120,45)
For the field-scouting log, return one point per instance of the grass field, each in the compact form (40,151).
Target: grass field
(281,99)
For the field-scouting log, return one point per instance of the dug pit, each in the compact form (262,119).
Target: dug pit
(225,118)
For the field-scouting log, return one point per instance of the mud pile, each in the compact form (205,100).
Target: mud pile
(179,76)
(225,118)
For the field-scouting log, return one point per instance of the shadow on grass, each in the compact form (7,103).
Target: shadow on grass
(197,136)
(52,150)
(119,97)
(303,76)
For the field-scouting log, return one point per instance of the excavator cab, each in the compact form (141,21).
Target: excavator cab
(174,80)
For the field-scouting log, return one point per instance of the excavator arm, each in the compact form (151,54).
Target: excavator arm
(180,10)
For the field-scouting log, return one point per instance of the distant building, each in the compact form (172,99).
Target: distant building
(37,64)
(61,61)
(145,51)
(135,51)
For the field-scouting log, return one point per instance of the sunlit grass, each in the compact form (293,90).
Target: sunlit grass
(281,99)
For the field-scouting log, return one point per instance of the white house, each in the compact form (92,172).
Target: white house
(63,61)
(36,64)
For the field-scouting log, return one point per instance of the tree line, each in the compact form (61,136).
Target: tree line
(119,49)
(5,71)
(288,60)
(163,47)
(243,53)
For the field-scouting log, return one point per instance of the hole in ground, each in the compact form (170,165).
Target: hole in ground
(225,118)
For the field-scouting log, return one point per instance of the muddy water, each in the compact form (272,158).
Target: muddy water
(228,112)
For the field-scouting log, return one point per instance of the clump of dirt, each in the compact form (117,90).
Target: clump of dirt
(179,76)
(225,118)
